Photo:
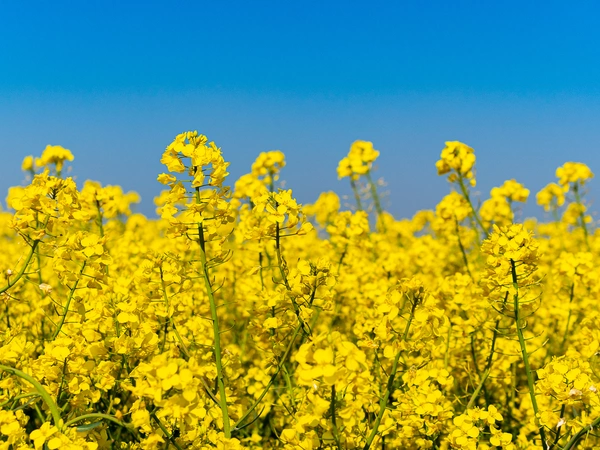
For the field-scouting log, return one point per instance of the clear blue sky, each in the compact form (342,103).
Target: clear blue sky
(115,81)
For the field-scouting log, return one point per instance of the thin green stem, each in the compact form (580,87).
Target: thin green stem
(581,215)
(40,389)
(481,377)
(336,434)
(390,383)
(465,193)
(239,424)
(579,435)
(525,355)
(165,431)
(13,281)
(462,248)
(216,333)
(557,436)
(280,264)
(16,398)
(286,354)
(488,364)
(166,299)
(216,329)
(32,251)
(566,333)
(359,206)
(447,352)
(97,416)
(69,299)
(376,199)
(169,320)
(100,218)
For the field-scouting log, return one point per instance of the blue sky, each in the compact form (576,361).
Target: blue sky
(116,81)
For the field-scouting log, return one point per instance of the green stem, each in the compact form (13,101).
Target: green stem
(336,434)
(447,352)
(166,432)
(166,299)
(183,347)
(238,426)
(359,206)
(18,276)
(390,383)
(99,218)
(581,215)
(462,248)
(565,335)
(465,193)
(38,387)
(376,198)
(34,246)
(525,355)
(488,364)
(557,436)
(284,277)
(216,333)
(585,430)
(71,293)
(97,416)
(481,377)
(16,398)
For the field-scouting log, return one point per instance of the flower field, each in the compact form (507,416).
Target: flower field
(241,319)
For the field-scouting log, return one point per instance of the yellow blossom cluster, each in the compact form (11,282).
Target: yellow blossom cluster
(242,319)
(573,172)
(458,160)
(359,160)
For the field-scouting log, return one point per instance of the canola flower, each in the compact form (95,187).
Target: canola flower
(242,319)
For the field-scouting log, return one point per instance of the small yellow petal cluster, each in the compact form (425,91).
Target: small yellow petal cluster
(575,213)
(512,190)
(359,160)
(282,213)
(551,196)
(52,154)
(458,159)
(265,172)
(206,201)
(324,209)
(511,252)
(453,208)
(268,165)
(27,164)
(510,243)
(497,209)
(573,172)
(108,201)
(469,426)
(569,381)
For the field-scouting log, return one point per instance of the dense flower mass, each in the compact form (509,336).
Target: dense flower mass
(242,319)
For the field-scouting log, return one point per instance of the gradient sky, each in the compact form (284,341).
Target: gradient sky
(115,81)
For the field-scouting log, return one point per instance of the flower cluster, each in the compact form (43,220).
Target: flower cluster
(359,161)
(458,160)
(573,172)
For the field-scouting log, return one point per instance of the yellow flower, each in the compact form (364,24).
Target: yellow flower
(458,159)
(27,164)
(54,154)
(42,434)
(551,196)
(573,172)
(359,161)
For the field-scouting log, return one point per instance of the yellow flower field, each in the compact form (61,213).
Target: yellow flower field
(241,319)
